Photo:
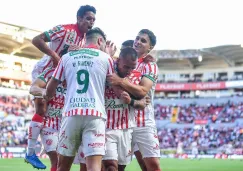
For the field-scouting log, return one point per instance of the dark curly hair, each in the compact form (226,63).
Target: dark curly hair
(85,8)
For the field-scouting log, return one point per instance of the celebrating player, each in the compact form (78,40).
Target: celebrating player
(145,134)
(59,38)
(84,113)
(52,119)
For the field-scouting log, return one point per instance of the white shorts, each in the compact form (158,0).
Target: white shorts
(49,138)
(194,151)
(39,66)
(79,158)
(135,148)
(147,141)
(119,145)
(90,130)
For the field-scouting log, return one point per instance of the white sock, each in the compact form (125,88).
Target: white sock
(33,134)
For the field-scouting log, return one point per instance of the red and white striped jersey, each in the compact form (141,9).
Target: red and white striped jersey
(117,112)
(60,38)
(55,106)
(85,72)
(146,117)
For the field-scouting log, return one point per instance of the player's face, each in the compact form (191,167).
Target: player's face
(86,22)
(142,44)
(125,66)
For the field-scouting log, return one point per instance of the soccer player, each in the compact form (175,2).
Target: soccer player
(52,119)
(194,147)
(179,150)
(145,132)
(84,115)
(59,38)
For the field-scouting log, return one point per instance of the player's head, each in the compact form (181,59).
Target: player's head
(127,61)
(144,42)
(86,18)
(127,43)
(97,37)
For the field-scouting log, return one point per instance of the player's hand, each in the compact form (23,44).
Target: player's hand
(149,58)
(73,48)
(55,59)
(125,97)
(117,90)
(147,100)
(110,48)
(45,97)
(114,79)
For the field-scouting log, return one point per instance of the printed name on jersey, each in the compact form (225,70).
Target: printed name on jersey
(114,104)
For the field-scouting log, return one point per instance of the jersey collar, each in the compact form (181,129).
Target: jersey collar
(91,46)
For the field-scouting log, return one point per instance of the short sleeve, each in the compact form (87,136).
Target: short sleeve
(59,71)
(46,74)
(55,33)
(150,71)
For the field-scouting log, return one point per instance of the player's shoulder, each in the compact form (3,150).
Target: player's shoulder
(68,26)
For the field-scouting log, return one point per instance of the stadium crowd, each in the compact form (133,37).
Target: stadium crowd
(207,137)
(215,113)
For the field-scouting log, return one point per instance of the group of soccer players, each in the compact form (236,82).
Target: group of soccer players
(91,106)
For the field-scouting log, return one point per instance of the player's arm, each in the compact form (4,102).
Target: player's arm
(137,104)
(57,78)
(141,90)
(38,87)
(138,91)
(48,36)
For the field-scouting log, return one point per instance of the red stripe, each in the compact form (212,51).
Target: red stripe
(150,67)
(57,119)
(92,112)
(97,113)
(108,118)
(117,123)
(69,31)
(57,68)
(81,111)
(60,43)
(113,119)
(47,65)
(126,118)
(138,118)
(87,111)
(111,67)
(52,120)
(45,121)
(155,69)
(138,65)
(143,118)
(48,72)
(56,33)
(49,122)
(76,111)
(75,42)
(60,76)
(100,114)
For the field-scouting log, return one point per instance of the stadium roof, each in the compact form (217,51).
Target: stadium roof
(213,57)
(16,40)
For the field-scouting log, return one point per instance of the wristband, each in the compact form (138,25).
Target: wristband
(132,102)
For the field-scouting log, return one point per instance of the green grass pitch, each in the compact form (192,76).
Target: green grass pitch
(18,164)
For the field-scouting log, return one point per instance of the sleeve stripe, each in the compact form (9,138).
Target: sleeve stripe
(150,67)
(60,76)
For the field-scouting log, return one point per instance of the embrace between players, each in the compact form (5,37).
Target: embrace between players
(90,105)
